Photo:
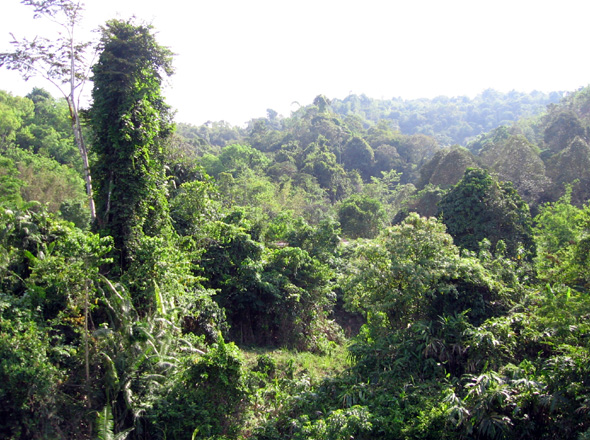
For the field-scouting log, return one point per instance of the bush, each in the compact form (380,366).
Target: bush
(207,398)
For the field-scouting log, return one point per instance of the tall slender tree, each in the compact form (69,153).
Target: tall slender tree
(61,61)
(131,122)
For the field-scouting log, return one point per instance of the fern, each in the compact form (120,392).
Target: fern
(106,426)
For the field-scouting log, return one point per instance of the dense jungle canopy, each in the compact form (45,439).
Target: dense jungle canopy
(367,269)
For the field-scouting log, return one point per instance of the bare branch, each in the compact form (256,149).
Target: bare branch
(60,61)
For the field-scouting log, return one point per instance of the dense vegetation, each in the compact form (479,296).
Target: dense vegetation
(334,274)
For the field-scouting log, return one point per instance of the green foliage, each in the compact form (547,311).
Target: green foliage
(211,136)
(135,354)
(571,165)
(29,381)
(61,272)
(48,272)
(517,160)
(40,125)
(414,272)
(533,364)
(61,62)
(158,266)
(559,228)
(247,190)
(358,155)
(446,168)
(562,127)
(361,216)
(340,424)
(271,296)
(48,257)
(194,204)
(14,111)
(479,207)
(10,184)
(321,163)
(541,155)
(52,272)
(239,172)
(424,202)
(320,241)
(207,399)
(235,159)
(266,365)
(130,122)
(459,339)
(487,140)
(75,212)
(301,293)
(42,179)
(105,426)
(316,147)
(48,132)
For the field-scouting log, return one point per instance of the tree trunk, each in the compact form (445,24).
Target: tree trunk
(77,129)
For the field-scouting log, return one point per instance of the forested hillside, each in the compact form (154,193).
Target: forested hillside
(450,120)
(339,273)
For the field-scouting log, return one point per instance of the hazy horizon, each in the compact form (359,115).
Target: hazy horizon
(236,59)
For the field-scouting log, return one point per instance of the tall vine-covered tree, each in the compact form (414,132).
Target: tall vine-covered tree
(131,122)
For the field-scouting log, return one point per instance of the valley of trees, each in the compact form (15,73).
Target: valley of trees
(360,269)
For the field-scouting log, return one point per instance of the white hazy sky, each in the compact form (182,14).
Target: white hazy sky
(237,58)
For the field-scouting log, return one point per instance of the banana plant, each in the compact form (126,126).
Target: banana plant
(137,354)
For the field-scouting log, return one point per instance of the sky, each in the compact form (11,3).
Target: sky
(237,58)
